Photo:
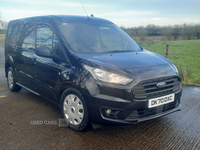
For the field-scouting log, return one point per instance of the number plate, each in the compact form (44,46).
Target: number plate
(161,100)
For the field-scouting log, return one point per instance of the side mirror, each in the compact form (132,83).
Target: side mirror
(43,52)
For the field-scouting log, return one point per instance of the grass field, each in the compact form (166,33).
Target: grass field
(184,54)
(2,39)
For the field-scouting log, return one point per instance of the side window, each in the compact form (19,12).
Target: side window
(9,32)
(46,37)
(13,33)
(28,37)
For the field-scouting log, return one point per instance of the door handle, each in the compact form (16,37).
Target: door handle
(34,60)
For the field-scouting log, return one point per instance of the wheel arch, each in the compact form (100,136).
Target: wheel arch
(73,89)
(7,65)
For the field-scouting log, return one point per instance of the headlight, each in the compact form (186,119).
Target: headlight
(175,69)
(109,77)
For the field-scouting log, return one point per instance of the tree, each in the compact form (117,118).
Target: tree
(123,28)
(197,31)
(188,32)
(142,34)
(167,32)
(153,29)
(176,31)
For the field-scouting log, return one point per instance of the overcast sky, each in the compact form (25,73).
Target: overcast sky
(127,13)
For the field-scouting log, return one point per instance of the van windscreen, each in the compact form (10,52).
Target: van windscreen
(97,38)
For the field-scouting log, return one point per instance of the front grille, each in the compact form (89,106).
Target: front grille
(149,89)
(142,113)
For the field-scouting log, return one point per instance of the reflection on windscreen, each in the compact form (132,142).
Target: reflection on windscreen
(97,38)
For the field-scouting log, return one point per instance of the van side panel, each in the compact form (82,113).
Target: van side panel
(38,74)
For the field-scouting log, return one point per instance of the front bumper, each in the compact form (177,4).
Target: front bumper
(135,121)
(111,103)
(127,112)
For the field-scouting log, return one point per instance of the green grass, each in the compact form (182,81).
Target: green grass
(184,54)
(2,39)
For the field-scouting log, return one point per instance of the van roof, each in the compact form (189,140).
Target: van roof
(63,18)
(70,18)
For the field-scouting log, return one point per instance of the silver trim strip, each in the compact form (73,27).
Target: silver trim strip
(28,89)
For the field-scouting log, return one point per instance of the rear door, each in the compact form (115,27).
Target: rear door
(24,48)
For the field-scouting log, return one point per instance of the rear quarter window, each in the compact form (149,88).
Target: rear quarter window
(22,35)
(13,33)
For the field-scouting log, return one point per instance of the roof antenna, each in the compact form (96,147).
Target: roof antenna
(85,10)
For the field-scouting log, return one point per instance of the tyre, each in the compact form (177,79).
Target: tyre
(11,81)
(74,110)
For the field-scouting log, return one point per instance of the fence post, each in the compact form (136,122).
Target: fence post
(167,51)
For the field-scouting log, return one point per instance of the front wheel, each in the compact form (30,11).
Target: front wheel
(74,110)
(11,81)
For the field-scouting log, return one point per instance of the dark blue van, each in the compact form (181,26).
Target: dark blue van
(91,69)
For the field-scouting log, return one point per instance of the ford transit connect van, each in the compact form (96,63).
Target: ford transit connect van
(91,68)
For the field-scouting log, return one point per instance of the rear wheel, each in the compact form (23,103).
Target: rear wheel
(74,110)
(11,81)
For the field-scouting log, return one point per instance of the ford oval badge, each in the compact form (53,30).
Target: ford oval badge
(161,84)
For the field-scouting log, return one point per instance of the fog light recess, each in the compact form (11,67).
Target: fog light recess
(110,112)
